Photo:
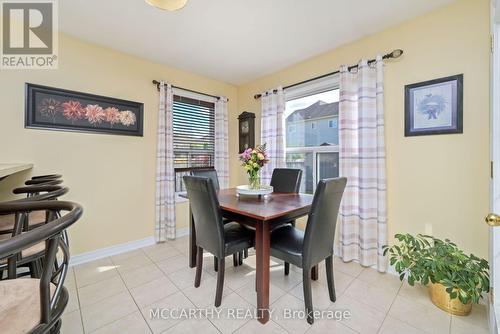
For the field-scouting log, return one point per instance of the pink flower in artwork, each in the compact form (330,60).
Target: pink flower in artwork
(73,110)
(127,118)
(94,113)
(112,115)
(49,107)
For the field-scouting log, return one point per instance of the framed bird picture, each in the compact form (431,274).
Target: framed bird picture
(434,107)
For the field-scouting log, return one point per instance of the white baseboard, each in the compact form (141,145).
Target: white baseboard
(182,232)
(109,251)
(118,249)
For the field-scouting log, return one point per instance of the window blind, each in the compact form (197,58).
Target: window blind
(193,132)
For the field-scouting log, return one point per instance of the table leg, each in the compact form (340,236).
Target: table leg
(314,273)
(192,241)
(262,271)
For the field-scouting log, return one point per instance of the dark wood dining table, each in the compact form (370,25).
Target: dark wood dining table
(263,214)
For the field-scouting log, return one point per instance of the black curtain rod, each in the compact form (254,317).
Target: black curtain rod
(157,83)
(394,54)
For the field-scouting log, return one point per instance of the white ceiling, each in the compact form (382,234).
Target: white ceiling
(233,40)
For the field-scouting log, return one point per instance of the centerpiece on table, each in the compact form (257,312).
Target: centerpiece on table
(253,159)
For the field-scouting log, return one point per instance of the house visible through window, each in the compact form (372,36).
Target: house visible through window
(194,136)
(313,144)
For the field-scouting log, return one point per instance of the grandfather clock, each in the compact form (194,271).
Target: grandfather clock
(246,130)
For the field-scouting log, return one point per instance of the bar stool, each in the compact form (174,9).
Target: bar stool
(32,305)
(12,225)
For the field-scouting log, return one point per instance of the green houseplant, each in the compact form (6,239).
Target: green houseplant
(455,279)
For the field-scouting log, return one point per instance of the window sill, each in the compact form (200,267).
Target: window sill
(181,199)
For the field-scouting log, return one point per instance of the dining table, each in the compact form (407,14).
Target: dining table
(263,213)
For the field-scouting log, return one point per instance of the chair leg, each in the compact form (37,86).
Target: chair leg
(235,259)
(199,266)
(215,263)
(32,268)
(245,253)
(293,223)
(240,258)
(306,284)
(329,278)
(220,283)
(287,268)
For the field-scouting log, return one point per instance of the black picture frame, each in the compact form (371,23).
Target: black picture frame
(436,98)
(59,109)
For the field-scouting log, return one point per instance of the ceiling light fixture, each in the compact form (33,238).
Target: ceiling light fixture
(169,5)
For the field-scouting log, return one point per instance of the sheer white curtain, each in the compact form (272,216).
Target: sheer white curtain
(272,131)
(165,177)
(221,142)
(363,229)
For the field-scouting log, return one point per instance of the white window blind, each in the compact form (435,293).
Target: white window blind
(193,132)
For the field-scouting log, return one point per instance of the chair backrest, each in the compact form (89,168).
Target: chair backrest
(320,229)
(47,176)
(33,192)
(54,272)
(206,212)
(286,180)
(43,181)
(210,173)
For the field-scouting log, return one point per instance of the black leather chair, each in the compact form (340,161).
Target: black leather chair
(309,248)
(212,175)
(211,234)
(286,180)
(31,305)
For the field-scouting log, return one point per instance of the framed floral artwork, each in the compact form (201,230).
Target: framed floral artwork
(60,109)
(434,107)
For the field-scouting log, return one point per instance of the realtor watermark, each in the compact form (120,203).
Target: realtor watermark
(244,313)
(29,34)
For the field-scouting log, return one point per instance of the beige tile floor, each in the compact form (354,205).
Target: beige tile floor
(116,294)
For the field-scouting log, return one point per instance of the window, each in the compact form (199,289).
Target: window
(312,111)
(194,136)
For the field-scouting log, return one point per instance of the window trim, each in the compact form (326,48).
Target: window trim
(331,82)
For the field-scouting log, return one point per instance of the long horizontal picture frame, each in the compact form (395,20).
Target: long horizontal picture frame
(66,110)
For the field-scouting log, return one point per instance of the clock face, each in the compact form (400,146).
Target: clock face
(244,127)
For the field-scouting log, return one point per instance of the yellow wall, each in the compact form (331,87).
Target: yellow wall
(436,184)
(113,177)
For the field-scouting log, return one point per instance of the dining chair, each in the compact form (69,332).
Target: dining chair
(283,180)
(307,249)
(212,175)
(212,234)
(286,180)
(32,305)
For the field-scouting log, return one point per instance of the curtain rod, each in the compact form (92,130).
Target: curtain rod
(157,83)
(394,54)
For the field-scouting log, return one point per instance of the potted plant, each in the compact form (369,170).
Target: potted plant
(455,280)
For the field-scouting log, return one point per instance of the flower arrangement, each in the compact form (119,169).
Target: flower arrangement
(93,113)
(253,159)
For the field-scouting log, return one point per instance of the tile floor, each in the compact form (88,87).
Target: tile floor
(116,294)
